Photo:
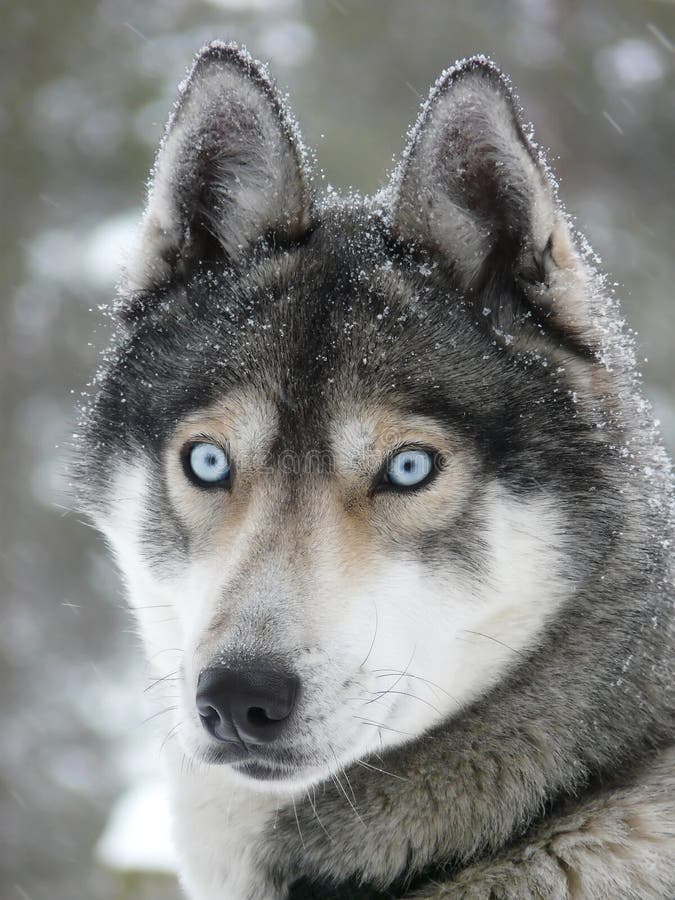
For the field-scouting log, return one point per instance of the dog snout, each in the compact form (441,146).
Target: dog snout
(251,706)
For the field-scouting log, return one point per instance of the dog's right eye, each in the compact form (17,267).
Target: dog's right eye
(410,468)
(207,464)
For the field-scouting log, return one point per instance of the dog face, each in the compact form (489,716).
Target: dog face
(336,447)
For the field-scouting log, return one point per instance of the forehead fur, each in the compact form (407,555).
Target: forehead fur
(344,314)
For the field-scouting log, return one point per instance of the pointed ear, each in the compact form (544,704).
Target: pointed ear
(472,188)
(229,171)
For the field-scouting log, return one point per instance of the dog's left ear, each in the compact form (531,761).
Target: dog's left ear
(472,188)
(228,172)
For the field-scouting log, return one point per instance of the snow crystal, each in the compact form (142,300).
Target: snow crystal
(662,38)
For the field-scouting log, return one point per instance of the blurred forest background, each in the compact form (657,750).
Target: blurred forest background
(85,88)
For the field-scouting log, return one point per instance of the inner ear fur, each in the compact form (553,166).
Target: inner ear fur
(228,172)
(473,188)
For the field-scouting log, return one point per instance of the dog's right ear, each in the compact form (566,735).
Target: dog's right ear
(228,172)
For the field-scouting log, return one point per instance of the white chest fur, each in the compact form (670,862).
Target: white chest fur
(217,822)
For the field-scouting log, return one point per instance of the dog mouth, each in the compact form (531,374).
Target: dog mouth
(253,764)
(280,768)
(265,771)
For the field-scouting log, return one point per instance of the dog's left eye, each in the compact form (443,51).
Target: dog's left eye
(207,463)
(409,468)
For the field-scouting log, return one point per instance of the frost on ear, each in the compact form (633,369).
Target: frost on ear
(472,187)
(228,171)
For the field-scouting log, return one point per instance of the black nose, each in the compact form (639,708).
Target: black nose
(252,705)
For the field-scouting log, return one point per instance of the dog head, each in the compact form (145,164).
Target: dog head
(337,447)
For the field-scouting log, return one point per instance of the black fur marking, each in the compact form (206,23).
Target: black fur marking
(284,325)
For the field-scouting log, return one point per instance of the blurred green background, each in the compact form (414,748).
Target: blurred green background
(85,87)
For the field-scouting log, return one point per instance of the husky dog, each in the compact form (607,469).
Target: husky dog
(393,516)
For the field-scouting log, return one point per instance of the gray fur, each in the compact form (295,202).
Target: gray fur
(227,171)
(617,842)
(475,305)
(469,174)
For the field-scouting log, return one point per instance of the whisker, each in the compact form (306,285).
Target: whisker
(169,677)
(312,803)
(170,734)
(336,781)
(349,784)
(166,650)
(387,673)
(297,822)
(372,643)
(382,694)
(161,681)
(344,772)
(401,676)
(160,713)
(360,762)
(385,727)
(154,606)
(489,637)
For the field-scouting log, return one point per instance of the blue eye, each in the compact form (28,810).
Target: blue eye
(208,463)
(410,468)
